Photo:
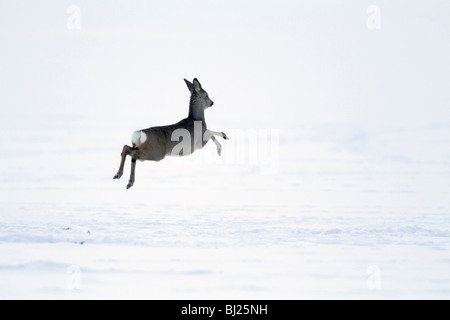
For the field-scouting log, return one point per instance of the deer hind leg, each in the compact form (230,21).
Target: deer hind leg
(134,156)
(125,152)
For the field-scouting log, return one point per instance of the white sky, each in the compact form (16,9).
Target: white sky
(267,63)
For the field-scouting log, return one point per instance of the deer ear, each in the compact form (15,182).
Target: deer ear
(189,85)
(197,86)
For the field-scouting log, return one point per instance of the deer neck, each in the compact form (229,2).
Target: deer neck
(196,111)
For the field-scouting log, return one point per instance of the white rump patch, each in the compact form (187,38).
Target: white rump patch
(138,138)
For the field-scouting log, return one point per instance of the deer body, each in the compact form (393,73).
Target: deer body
(179,139)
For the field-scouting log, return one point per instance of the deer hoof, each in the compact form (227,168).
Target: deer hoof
(129,185)
(225,136)
(116,176)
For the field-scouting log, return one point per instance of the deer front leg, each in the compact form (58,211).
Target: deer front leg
(218,145)
(125,151)
(210,133)
(134,157)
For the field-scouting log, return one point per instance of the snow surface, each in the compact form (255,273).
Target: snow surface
(191,229)
(335,182)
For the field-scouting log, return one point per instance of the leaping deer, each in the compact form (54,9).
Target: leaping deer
(157,142)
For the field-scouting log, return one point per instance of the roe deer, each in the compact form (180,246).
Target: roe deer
(157,142)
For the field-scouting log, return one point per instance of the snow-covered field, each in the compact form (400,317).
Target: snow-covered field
(334,221)
(335,182)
